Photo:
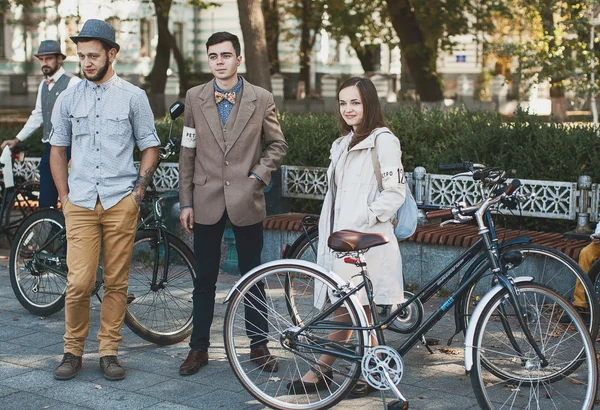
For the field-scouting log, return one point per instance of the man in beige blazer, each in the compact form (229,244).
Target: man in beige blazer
(231,144)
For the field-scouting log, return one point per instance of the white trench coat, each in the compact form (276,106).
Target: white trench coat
(359,205)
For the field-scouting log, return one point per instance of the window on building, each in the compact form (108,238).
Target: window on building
(115,22)
(72,30)
(178,35)
(145,38)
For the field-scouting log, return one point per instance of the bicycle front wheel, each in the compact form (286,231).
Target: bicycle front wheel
(257,312)
(549,268)
(569,379)
(159,308)
(38,268)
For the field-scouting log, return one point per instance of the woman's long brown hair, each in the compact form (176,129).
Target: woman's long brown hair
(372,113)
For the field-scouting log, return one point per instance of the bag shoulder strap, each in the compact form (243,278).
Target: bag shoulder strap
(375,159)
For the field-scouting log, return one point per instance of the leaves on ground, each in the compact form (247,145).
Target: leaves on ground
(449,351)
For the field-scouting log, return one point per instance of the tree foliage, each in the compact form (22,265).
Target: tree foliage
(365,24)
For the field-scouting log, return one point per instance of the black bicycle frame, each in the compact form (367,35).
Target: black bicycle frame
(488,243)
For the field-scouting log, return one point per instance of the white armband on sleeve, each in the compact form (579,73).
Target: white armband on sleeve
(188,138)
(392,176)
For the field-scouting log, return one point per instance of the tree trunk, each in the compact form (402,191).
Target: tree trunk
(181,66)
(365,56)
(557,92)
(271,14)
(420,58)
(306,43)
(559,103)
(158,75)
(252,22)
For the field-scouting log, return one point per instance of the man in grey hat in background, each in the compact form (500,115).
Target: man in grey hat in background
(102,119)
(56,81)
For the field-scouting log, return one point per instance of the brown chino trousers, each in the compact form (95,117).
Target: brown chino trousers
(113,231)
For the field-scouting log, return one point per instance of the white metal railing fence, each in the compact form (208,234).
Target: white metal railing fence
(546,199)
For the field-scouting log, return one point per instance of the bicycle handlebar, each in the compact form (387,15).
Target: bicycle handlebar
(462,166)
(440,213)
(512,187)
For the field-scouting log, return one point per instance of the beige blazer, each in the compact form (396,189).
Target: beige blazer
(216,160)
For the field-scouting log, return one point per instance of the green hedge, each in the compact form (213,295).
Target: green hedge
(527,146)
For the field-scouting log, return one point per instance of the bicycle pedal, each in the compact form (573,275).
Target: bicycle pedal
(398,405)
(130,298)
(430,341)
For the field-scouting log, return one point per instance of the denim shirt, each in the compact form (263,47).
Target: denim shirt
(102,124)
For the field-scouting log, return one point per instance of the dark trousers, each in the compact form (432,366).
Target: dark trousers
(207,247)
(48,191)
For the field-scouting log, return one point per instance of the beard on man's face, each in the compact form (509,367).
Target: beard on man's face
(100,73)
(49,70)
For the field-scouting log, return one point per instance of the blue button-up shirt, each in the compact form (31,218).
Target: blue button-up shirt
(224,107)
(102,123)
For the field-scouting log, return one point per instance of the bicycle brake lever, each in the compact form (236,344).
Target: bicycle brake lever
(458,219)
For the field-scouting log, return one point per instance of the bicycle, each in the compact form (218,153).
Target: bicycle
(519,349)
(548,266)
(161,277)
(17,201)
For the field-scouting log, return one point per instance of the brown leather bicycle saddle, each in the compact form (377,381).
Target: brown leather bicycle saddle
(348,240)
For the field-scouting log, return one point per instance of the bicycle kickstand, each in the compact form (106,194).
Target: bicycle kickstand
(401,403)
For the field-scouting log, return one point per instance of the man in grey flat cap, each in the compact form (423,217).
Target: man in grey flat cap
(56,81)
(101,119)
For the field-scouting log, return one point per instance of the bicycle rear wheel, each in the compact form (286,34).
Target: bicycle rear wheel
(296,350)
(567,382)
(549,268)
(37,268)
(305,247)
(160,311)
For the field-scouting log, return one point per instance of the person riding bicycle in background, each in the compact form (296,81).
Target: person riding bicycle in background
(57,80)
(354,201)
(102,118)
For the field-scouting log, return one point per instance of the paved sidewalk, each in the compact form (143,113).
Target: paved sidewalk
(31,346)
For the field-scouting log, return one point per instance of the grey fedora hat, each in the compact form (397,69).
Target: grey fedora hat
(97,30)
(49,47)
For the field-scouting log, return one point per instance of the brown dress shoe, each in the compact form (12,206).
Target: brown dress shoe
(262,357)
(193,362)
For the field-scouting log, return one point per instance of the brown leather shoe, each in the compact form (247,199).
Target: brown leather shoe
(193,362)
(262,357)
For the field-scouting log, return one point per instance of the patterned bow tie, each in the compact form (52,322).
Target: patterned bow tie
(49,81)
(219,96)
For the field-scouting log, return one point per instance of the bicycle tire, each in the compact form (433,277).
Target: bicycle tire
(39,290)
(151,313)
(294,358)
(564,270)
(594,275)
(571,369)
(301,248)
(21,206)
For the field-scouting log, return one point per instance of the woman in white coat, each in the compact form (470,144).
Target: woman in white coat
(356,202)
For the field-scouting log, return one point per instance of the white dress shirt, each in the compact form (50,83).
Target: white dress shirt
(36,119)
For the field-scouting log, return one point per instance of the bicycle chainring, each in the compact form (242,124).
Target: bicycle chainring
(378,360)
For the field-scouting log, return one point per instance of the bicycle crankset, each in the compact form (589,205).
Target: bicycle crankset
(379,360)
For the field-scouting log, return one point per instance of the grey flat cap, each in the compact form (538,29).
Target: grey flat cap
(97,30)
(49,47)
